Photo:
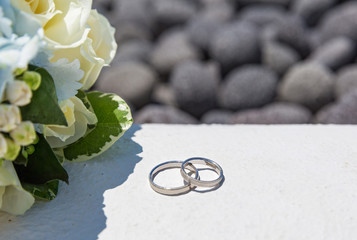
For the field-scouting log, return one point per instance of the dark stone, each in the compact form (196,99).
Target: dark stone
(309,84)
(163,114)
(340,21)
(342,112)
(217,116)
(248,87)
(275,113)
(134,50)
(335,53)
(311,10)
(279,57)
(346,80)
(194,86)
(172,48)
(236,44)
(263,15)
(132,81)
(131,31)
(292,32)
(173,12)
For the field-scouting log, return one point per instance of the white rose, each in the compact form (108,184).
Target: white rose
(3,146)
(24,134)
(10,117)
(74,31)
(13,198)
(77,116)
(18,93)
(98,49)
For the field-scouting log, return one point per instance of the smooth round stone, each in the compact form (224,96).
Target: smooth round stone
(163,114)
(342,112)
(250,86)
(134,50)
(275,113)
(309,84)
(279,57)
(335,53)
(194,85)
(217,116)
(235,44)
(132,81)
(172,48)
(340,21)
(311,10)
(263,15)
(346,80)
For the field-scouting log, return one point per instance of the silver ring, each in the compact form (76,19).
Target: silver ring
(171,191)
(197,182)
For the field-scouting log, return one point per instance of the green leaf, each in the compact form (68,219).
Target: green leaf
(114,118)
(42,165)
(47,191)
(44,107)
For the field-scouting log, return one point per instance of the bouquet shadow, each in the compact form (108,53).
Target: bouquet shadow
(77,212)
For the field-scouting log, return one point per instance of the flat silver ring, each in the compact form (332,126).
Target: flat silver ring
(171,191)
(197,182)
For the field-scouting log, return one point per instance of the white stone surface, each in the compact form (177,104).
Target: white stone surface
(282,182)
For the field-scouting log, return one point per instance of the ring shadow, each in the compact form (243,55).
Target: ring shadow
(77,212)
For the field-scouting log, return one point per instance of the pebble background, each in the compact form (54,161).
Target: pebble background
(234,61)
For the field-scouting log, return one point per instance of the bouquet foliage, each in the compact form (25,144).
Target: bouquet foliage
(51,53)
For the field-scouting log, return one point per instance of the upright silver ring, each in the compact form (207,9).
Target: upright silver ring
(171,191)
(197,182)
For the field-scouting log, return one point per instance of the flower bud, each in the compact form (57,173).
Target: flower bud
(10,117)
(24,134)
(3,146)
(12,150)
(18,93)
(33,79)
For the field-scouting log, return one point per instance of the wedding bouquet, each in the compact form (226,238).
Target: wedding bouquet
(51,53)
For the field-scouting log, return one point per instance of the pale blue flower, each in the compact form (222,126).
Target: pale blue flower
(20,40)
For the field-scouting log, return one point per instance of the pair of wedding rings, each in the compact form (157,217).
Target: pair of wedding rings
(187,169)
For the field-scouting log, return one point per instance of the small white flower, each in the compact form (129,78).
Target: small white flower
(18,93)
(13,150)
(10,117)
(77,116)
(14,199)
(24,134)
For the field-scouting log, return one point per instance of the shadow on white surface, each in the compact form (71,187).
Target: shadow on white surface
(77,212)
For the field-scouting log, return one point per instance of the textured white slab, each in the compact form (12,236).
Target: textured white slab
(282,182)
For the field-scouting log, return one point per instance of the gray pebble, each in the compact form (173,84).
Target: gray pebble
(335,53)
(217,116)
(340,21)
(194,85)
(309,84)
(235,44)
(132,81)
(200,30)
(292,32)
(217,10)
(134,50)
(131,31)
(275,113)
(263,15)
(248,87)
(173,12)
(273,2)
(137,12)
(279,57)
(342,112)
(346,80)
(172,48)
(164,94)
(311,10)
(163,114)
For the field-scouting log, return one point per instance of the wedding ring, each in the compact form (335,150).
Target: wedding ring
(171,191)
(197,182)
